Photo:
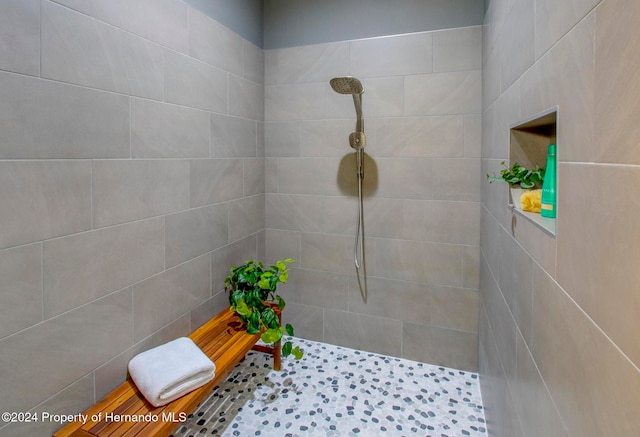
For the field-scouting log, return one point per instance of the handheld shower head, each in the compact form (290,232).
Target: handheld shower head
(351,85)
(346,85)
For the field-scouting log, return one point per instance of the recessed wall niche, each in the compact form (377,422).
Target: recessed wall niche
(528,145)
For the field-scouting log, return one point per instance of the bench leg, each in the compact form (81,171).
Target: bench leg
(277,349)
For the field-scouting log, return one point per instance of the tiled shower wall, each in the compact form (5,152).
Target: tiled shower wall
(559,350)
(421,107)
(131,178)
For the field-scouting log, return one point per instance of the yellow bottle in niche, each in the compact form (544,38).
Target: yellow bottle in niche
(548,204)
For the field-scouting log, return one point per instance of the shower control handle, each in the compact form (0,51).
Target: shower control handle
(357,140)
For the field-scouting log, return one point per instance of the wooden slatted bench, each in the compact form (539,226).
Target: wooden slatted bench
(226,343)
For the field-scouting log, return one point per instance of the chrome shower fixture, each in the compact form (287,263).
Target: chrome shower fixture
(351,85)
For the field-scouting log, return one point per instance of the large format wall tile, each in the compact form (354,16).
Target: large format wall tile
(392,56)
(44,119)
(594,385)
(458,349)
(313,63)
(246,98)
(412,137)
(64,341)
(215,180)
(554,19)
(21,288)
(162,21)
(232,137)
(517,50)
(165,297)
(617,82)
(443,93)
(608,296)
(43,199)
(159,130)
(193,83)
(83,267)
(131,190)
(457,49)
(213,43)
(246,216)
(80,50)
(357,331)
(195,232)
(20,37)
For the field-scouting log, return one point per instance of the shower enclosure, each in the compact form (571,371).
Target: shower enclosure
(420,192)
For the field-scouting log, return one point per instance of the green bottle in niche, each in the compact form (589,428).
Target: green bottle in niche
(548,207)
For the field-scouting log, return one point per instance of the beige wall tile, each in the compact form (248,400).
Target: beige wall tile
(398,300)
(424,137)
(246,216)
(517,43)
(595,387)
(367,333)
(159,130)
(534,404)
(333,253)
(83,267)
(403,178)
(282,138)
(456,179)
(253,176)
(457,49)
(252,62)
(21,288)
(454,308)
(78,49)
(599,277)
(392,56)
(43,199)
(307,321)
(163,298)
(282,244)
(76,397)
(20,40)
(470,267)
(193,83)
(130,190)
(233,254)
(246,98)
(213,43)
(553,20)
(443,93)
(439,346)
(414,261)
(167,25)
(316,288)
(311,63)
(328,176)
(215,180)
(64,340)
(44,119)
(195,232)
(295,212)
(616,82)
(233,137)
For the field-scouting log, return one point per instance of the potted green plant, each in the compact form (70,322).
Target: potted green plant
(519,179)
(252,296)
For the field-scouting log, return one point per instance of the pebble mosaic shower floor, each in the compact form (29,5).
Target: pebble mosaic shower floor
(336,391)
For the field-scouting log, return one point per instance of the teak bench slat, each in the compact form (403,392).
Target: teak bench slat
(223,339)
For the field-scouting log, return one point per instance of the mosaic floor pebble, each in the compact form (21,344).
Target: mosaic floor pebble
(336,391)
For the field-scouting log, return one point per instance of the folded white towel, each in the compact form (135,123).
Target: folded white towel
(166,372)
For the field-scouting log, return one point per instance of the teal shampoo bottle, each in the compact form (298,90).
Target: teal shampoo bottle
(548,207)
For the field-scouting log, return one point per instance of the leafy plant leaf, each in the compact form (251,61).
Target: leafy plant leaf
(289,329)
(286,349)
(297,352)
(271,335)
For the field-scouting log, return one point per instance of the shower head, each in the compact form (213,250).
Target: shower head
(346,85)
(351,85)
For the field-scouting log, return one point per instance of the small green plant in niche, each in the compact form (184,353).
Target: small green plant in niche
(252,295)
(518,175)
